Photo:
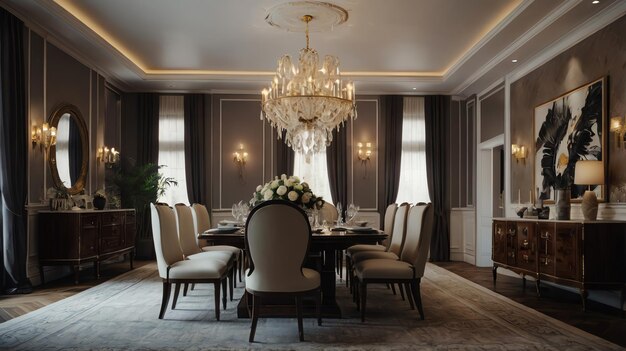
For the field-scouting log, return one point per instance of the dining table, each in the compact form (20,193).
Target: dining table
(324,246)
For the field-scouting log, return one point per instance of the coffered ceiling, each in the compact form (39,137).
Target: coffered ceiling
(393,46)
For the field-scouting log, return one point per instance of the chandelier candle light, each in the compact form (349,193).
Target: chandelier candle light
(308,101)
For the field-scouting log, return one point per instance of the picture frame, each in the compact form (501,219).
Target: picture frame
(567,129)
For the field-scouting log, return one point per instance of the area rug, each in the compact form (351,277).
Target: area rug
(121,314)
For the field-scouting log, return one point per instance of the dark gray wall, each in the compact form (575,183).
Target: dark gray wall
(492,115)
(601,54)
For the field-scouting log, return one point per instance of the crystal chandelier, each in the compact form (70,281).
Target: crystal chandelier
(308,101)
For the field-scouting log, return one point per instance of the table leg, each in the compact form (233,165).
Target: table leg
(328,278)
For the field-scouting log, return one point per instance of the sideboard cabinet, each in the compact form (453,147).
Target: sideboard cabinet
(581,254)
(76,237)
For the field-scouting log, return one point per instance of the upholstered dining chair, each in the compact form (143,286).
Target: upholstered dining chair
(394,226)
(174,268)
(408,270)
(191,250)
(277,242)
(202,222)
(328,213)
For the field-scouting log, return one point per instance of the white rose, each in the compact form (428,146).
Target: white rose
(268,194)
(274,184)
(258,188)
(306,197)
(283,176)
(288,182)
(293,196)
(296,179)
(282,190)
(298,187)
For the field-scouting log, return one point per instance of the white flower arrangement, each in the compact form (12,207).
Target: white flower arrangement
(289,189)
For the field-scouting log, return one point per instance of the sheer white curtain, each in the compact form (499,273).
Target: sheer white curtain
(315,173)
(172,147)
(413,185)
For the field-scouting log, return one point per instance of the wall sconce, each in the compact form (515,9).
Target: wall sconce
(45,136)
(364,154)
(619,128)
(519,152)
(110,157)
(240,157)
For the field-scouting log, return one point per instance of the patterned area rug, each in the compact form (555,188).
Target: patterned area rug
(121,314)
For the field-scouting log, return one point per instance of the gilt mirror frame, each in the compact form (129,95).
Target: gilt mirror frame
(77,117)
(577,122)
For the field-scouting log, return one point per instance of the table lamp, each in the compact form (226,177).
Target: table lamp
(589,173)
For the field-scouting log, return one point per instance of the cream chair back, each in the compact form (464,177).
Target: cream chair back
(164,235)
(419,232)
(277,240)
(390,214)
(186,230)
(399,229)
(202,219)
(328,213)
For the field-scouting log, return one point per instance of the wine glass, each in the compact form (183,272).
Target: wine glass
(351,213)
(339,216)
(235,211)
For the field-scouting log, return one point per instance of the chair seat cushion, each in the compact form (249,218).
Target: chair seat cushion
(362,247)
(235,250)
(197,269)
(310,281)
(370,255)
(221,256)
(383,269)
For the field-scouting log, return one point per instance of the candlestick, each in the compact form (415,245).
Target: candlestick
(519,196)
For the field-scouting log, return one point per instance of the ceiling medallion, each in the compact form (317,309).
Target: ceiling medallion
(308,101)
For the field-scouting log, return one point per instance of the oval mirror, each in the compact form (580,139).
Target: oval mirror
(69,157)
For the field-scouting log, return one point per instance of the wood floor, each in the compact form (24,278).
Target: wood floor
(599,319)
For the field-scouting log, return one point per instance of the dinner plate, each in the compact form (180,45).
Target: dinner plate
(361,229)
(222,230)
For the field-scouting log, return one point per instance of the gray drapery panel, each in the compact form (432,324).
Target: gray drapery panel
(284,157)
(337,163)
(147,128)
(196,149)
(437,113)
(13,154)
(391,107)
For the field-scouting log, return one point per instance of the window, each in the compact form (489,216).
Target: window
(172,147)
(413,186)
(315,173)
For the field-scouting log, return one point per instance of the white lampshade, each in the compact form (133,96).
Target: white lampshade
(589,173)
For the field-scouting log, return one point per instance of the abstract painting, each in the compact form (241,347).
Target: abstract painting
(568,129)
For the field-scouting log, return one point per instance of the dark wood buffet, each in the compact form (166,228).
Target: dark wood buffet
(76,237)
(581,254)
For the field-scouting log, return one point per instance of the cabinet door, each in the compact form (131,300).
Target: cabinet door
(511,243)
(89,235)
(498,251)
(546,248)
(567,255)
(526,246)
(131,222)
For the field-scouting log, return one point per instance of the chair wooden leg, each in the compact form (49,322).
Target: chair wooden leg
(240,261)
(193,286)
(407,289)
(255,317)
(318,306)
(185,289)
(363,293)
(299,314)
(415,287)
(217,287)
(401,291)
(233,277)
(167,289)
(234,274)
(348,271)
(224,287)
(176,292)
(393,288)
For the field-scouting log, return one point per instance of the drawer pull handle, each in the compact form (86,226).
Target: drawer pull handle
(525,244)
(545,261)
(525,257)
(545,235)
(525,231)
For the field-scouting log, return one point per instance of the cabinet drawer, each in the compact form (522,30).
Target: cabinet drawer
(113,218)
(526,246)
(89,221)
(88,243)
(498,253)
(112,238)
(567,255)
(130,217)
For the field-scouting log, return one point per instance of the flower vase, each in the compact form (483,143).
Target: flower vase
(99,202)
(562,202)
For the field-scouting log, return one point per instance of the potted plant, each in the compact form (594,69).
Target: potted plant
(139,186)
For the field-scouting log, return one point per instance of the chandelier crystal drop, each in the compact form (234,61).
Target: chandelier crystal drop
(308,101)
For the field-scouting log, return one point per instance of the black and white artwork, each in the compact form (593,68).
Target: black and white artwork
(568,129)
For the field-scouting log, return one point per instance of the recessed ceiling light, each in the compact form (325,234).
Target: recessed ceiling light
(414,88)
(595,2)
(514,60)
